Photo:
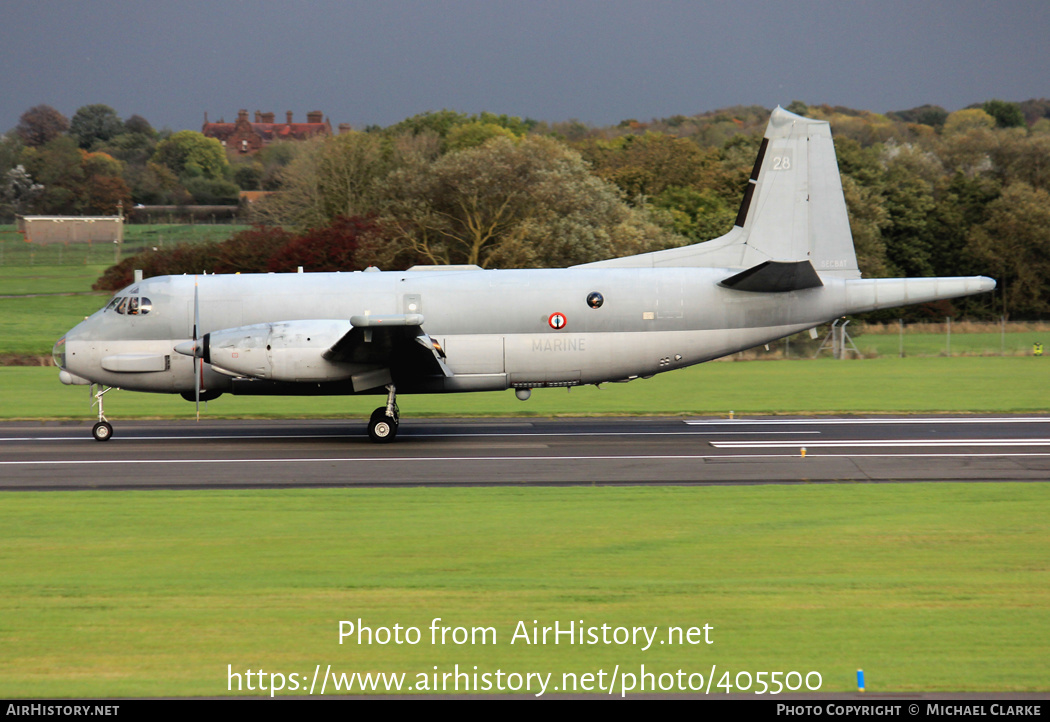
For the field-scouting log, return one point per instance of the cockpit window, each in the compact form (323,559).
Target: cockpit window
(131,305)
(139,306)
(58,353)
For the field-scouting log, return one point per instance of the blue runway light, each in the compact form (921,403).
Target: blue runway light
(860,680)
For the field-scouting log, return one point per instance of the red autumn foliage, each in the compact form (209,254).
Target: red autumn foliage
(331,248)
(257,250)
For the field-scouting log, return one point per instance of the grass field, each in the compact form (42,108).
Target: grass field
(40,303)
(49,280)
(988,341)
(968,344)
(16,253)
(31,324)
(911,385)
(926,587)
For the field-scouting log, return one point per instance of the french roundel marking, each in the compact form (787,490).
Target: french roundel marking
(557,321)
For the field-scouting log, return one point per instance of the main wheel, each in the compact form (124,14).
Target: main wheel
(102,431)
(382,428)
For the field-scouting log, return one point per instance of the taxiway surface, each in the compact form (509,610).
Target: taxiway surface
(282,453)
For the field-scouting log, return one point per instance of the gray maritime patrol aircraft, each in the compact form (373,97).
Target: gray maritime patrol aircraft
(787,265)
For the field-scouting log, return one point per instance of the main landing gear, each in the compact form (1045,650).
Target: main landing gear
(382,426)
(103,430)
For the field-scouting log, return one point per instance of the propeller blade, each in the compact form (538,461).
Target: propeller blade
(198,363)
(196,309)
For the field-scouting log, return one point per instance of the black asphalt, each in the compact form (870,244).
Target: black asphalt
(436,452)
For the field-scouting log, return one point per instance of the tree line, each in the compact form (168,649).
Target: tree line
(52,165)
(928,192)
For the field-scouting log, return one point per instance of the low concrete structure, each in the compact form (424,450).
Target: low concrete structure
(71,229)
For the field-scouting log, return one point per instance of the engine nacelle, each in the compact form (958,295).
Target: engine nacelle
(281,351)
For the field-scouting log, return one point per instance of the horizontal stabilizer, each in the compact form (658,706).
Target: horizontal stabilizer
(775,277)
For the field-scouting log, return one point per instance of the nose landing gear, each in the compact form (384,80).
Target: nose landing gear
(103,430)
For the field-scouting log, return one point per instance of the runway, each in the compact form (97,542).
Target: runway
(596,451)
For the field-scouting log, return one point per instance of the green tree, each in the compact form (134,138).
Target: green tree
(248,176)
(969,146)
(1014,243)
(908,201)
(647,164)
(274,158)
(134,149)
(155,184)
(1007,115)
(513,123)
(867,219)
(475,133)
(1021,156)
(94,125)
(191,154)
(10,151)
(509,204)
(696,215)
(74,181)
(963,120)
(931,115)
(439,122)
(138,124)
(212,191)
(329,177)
(961,204)
(57,165)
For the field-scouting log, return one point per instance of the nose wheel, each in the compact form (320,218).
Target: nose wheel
(382,425)
(102,431)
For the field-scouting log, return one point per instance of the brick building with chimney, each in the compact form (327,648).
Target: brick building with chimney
(247,137)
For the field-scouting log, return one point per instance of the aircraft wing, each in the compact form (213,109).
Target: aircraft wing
(396,342)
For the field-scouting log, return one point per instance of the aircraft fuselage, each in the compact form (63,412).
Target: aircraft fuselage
(498,329)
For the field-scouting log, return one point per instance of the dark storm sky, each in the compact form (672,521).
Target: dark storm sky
(369,62)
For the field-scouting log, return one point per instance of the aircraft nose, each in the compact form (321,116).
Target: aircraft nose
(60,355)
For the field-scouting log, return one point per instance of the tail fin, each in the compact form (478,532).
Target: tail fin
(793,209)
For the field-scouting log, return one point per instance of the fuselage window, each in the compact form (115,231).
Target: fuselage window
(145,306)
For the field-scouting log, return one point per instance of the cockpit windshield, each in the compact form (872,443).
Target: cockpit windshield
(130,305)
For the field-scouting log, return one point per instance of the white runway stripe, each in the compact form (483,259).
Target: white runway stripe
(880,443)
(848,421)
